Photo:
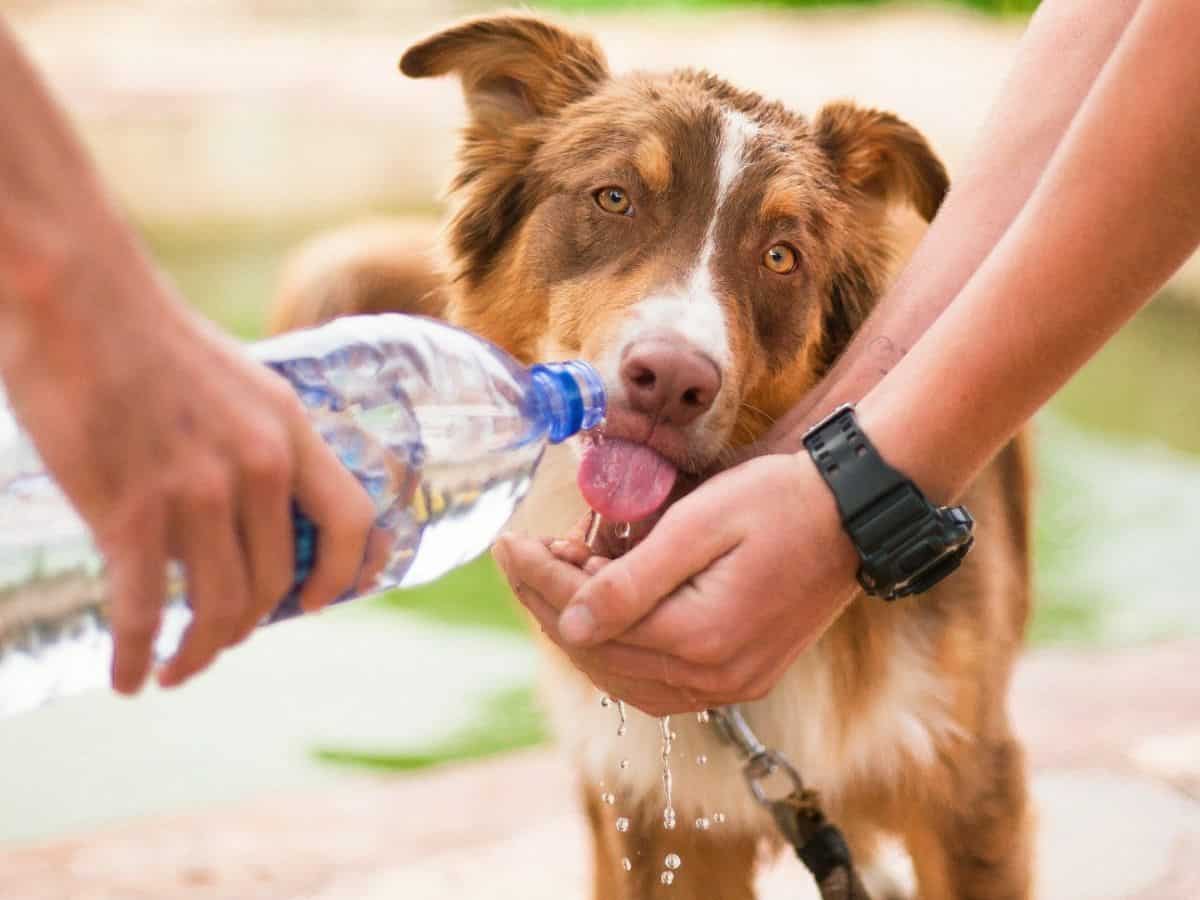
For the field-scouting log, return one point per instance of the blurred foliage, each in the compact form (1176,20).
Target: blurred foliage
(998,7)
(506,721)
(475,594)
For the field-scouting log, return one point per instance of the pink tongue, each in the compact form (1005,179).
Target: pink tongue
(624,481)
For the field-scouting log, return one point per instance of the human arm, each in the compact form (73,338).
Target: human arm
(170,442)
(713,605)
(1057,62)
(1115,215)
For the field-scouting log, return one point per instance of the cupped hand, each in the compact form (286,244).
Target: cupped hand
(173,444)
(728,588)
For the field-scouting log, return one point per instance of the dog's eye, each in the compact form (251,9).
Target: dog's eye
(614,200)
(781,259)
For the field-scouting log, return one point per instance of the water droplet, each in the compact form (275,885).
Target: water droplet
(702,760)
(667,878)
(593,531)
(702,717)
(621,731)
(622,824)
(624,764)
(668,737)
(626,864)
(718,818)
(608,798)
(702,824)
(674,736)
(625,530)
(621,713)
(673,861)
(606,701)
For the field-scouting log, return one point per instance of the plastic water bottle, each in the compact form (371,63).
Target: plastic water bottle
(443,429)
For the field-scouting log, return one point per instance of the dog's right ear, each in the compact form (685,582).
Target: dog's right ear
(513,68)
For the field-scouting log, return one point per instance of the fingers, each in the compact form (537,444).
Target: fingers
(575,552)
(616,670)
(687,540)
(527,562)
(206,538)
(595,564)
(379,547)
(136,570)
(342,512)
(266,528)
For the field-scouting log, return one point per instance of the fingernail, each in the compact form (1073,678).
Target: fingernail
(577,625)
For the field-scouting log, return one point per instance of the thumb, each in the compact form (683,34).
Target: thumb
(684,543)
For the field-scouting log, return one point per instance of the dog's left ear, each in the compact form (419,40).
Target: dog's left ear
(881,156)
(513,68)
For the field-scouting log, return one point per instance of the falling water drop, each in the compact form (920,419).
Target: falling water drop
(673,861)
(667,739)
(622,824)
(626,864)
(702,717)
(608,798)
(702,760)
(593,531)
(718,818)
(667,878)
(702,824)
(625,530)
(606,701)
(624,764)
(621,712)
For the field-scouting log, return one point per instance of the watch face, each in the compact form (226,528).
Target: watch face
(922,561)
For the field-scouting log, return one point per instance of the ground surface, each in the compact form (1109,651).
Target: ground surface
(1114,737)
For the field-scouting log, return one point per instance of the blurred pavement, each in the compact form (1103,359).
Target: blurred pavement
(1114,738)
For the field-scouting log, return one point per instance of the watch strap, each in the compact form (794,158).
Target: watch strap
(905,544)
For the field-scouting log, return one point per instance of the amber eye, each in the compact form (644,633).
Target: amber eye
(781,259)
(614,200)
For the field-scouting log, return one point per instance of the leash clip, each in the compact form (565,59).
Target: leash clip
(761,762)
(796,811)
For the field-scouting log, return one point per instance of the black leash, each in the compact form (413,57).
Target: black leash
(797,813)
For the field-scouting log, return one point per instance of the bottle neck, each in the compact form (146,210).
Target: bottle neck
(568,398)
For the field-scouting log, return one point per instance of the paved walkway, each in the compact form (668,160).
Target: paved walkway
(1114,738)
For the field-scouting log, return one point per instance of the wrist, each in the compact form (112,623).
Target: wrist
(912,442)
(906,544)
(74,288)
(813,501)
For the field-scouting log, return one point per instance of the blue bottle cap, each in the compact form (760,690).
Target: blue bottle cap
(572,397)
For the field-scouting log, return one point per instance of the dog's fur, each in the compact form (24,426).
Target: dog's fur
(897,716)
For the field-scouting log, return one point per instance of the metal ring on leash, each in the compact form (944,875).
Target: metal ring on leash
(798,815)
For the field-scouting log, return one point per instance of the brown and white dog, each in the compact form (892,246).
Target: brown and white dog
(711,253)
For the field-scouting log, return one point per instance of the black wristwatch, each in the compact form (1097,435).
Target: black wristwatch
(906,544)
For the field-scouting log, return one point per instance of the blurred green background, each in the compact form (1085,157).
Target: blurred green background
(232,131)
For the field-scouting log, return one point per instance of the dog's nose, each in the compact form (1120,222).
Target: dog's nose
(674,384)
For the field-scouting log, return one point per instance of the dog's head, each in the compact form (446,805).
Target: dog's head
(710,252)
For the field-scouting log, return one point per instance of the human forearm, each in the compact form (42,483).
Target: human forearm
(1060,57)
(1115,215)
(52,205)
(169,440)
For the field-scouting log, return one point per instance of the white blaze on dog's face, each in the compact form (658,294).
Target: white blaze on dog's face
(708,251)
